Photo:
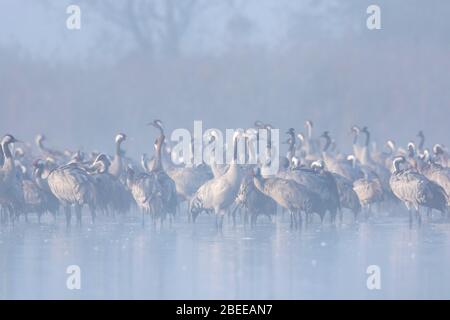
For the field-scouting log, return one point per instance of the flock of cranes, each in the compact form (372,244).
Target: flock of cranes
(313,179)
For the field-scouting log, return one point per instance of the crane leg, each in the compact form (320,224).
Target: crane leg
(68,215)
(93,214)
(294,215)
(219,219)
(409,207)
(2,215)
(419,217)
(253,220)
(78,214)
(246,216)
(12,215)
(233,214)
(299,214)
(292,218)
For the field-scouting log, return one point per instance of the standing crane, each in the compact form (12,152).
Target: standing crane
(415,190)
(11,192)
(73,187)
(219,193)
(116,167)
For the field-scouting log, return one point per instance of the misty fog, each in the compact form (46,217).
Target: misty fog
(233,62)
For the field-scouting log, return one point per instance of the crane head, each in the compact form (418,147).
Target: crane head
(121,137)
(9,138)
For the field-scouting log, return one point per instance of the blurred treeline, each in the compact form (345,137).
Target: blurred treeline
(326,67)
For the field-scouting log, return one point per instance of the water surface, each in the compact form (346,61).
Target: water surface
(120,259)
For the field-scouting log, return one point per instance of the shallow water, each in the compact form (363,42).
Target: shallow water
(121,259)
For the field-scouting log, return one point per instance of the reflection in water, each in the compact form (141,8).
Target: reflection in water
(123,260)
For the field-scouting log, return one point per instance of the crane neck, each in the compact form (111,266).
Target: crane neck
(259,182)
(367,138)
(2,156)
(309,130)
(291,141)
(327,143)
(8,162)
(157,164)
(41,145)
(355,138)
(118,150)
(6,151)
(396,165)
(421,142)
(40,181)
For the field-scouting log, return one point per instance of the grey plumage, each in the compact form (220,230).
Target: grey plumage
(437,174)
(218,193)
(347,196)
(368,190)
(294,197)
(116,166)
(111,194)
(11,192)
(253,201)
(319,181)
(415,190)
(73,186)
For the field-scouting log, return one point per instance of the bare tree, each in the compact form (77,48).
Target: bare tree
(154,25)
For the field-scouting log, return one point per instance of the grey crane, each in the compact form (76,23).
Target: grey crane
(50,202)
(342,167)
(112,196)
(357,149)
(436,173)
(145,191)
(369,190)
(166,184)
(253,201)
(153,190)
(116,167)
(415,190)
(319,181)
(219,193)
(35,200)
(73,187)
(294,197)
(187,179)
(54,154)
(441,155)
(347,195)
(11,192)
(379,169)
